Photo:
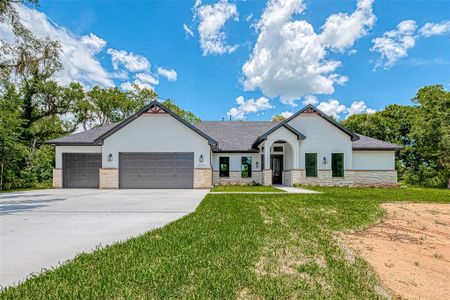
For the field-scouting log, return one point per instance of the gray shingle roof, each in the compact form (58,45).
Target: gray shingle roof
(85,137)
(235,135)
(368,143)
(231,135)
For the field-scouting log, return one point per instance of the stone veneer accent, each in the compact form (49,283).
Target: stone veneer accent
(235,178)
(369,178)
(325,178)
(57,178)
(291,177)
(267,177)
(109,178)
(382,178)
(202,178)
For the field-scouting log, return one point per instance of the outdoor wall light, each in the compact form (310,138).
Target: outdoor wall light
(110,158)
(257,164)
(201,158)
(324,160)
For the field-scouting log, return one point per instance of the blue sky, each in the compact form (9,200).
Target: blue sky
(209,62)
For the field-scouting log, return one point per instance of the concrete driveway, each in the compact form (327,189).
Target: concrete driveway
(42,228)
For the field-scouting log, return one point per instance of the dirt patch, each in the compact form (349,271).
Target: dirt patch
(410,249)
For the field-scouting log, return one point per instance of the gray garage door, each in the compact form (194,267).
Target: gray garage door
(81,170)
(149,170)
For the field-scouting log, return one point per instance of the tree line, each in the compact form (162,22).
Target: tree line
(422,129)
(34,108)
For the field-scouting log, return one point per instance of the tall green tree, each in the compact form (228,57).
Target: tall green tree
(431,135)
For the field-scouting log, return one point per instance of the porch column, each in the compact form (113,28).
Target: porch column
(267,172)
(267,147)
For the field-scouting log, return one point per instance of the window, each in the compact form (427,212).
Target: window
(337,164)
(224,166)
(246,166)
(278,149)
(311,164)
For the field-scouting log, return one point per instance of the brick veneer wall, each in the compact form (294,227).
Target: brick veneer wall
(109,178)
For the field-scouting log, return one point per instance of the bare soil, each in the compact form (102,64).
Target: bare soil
(410,249)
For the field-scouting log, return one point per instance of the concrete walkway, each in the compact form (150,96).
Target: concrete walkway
(40,229)
(287,189)
(295,190)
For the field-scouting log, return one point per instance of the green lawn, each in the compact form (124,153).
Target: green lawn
(236,246)
(245,188)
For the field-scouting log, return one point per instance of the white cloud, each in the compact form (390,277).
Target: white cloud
(212,19)
(286,114)
(92,41)
(394,44)
(332,108)
(341,30)
(77,53)
(170,74)
(336,109)
(289,58)
(130,61)
(359,107)
(143,80)
(430,29)
(188,30)
(248,106)
(310,99)
(147,78)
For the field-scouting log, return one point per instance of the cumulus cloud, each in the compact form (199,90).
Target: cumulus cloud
(188,30)
(77,53)
(286,114)
(142,80)
(394,44)
(130,61)
(341,30)
(212,19)
(310,99)
(290,60)
(248,106)
(359,107)
(332,107)
(336,109)
(170,74)
(93,42)
(430,29)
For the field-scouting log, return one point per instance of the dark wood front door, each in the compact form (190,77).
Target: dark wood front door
(276,164)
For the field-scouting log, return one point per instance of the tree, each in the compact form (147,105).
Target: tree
(184,114)
(423,130)
(431,134)
(12,151)
(278,118)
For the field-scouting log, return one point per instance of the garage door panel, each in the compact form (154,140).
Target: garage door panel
(81,170)
(156,170)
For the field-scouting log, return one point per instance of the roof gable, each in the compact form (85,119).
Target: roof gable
(309,109)
(153,108)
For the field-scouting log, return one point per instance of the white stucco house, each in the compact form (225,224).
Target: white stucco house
(155,148)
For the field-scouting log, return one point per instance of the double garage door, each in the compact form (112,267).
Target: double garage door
(137,170)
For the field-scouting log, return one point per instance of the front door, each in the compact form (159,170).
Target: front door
(277,169)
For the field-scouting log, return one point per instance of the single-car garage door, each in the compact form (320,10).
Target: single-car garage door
(81,170)
(149,170)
